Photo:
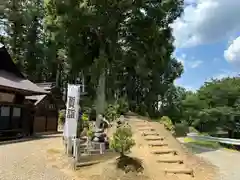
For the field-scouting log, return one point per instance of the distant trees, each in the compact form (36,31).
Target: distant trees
(214,105)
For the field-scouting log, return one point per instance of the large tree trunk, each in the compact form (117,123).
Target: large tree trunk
(100,101)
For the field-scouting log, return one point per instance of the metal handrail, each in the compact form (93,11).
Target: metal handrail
(196,136)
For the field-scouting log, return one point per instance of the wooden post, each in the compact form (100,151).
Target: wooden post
(69,146)
(102,148)
(77,153)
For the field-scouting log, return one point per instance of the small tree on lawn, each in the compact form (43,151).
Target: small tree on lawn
(122,140)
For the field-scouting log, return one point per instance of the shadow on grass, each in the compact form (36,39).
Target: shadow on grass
(37,136)
(231,147)
(198,149)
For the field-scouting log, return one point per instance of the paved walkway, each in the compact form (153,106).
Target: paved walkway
(227,161)
(28,161)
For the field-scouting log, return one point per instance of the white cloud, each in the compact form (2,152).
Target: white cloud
(207,21)
(1,45)
(195,64)
(190,2)
(232,53)
(188,63)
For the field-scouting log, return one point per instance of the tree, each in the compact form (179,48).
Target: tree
(15,28)
(214,105)
(126,45)
(222,97)
(192,105)
(122,140)
(172,102)
(33,55)
(125,40)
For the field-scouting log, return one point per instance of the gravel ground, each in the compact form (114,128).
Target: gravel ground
(227,161)
(28,161)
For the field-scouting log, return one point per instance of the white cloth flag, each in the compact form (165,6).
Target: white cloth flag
(72,111)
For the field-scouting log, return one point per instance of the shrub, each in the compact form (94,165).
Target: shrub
(122,140)
(181,129)
(92,114)
(122,106)
(167,122)
(111,112)
(193,130)
(85,120)
(90,133)
(61,117)
(85,117)
(142,110)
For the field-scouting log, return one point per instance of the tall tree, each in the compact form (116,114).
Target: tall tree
(16,29)
(34,40)
(128,42)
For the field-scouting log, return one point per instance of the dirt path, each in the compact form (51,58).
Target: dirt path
(223,159)
(161,166)
(44,159)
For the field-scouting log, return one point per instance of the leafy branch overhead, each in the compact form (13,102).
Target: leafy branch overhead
(130,41)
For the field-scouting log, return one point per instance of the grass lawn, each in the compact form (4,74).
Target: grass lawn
(207,144)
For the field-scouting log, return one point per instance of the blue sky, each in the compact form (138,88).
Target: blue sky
(207,40)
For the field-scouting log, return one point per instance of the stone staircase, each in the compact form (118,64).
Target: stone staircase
(169,160)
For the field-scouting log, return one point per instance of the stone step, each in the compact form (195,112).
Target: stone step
(146,129)
(150,134)
(82,146)
(155,139)
(165,151)
(82,164)
(93,151)
(179,171)
(173,160)
(143,125)
(157,144)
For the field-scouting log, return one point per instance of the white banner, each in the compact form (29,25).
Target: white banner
(72,111)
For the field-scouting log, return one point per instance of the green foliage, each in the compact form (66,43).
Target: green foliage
(193,130)
(85,120)
(208,144)
(61,117)
(111,112)
(15,14)
(122,106)
(85,117)
(181,129)
(90,133)
(172,102)
(122,140)
(167,122)
(214,105)
(133,49)
(142,109)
